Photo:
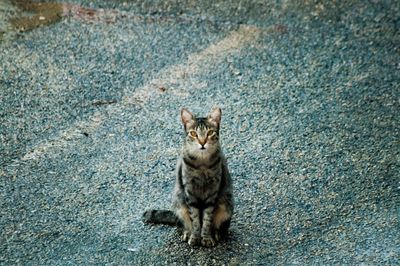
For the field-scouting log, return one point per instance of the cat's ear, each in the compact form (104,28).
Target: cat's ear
(186,117)
(215,117)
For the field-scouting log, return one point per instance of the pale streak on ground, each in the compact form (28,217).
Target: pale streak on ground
(232,43)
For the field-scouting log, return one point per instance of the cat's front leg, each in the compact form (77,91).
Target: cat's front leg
(206,236)
(195,238)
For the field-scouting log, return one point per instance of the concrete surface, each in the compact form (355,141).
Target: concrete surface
(89,130)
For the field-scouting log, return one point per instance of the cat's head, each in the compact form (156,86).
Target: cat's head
(202,133)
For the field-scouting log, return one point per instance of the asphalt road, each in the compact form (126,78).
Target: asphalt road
(90,94)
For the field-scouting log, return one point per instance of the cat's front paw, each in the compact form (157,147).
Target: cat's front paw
(194,240)
(208,241)
(217,236)
(185,236)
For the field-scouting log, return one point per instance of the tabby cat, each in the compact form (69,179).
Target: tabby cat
(202,198)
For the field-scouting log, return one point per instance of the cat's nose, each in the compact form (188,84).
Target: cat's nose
(202,142)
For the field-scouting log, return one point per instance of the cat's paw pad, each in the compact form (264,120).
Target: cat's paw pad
(194,240)
(208,241)
(185,236)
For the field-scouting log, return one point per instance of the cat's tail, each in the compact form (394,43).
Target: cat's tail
(160,217)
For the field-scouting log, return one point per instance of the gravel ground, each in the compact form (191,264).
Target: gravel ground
(90,133)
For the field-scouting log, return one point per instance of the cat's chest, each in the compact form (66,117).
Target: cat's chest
(203,177)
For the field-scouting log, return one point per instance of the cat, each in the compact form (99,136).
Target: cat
(202,199)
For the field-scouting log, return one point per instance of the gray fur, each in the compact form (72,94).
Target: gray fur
(203,186)
(202,199)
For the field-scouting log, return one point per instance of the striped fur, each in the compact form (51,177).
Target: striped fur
(202,197)
(202,200)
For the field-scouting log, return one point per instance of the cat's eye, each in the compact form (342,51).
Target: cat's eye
(193,134)
(210,133)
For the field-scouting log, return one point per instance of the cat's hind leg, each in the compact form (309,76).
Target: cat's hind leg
(221,221)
